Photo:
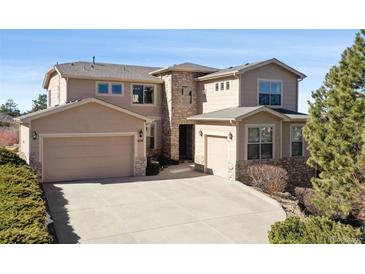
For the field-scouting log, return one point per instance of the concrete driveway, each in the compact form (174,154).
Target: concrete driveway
(177,206)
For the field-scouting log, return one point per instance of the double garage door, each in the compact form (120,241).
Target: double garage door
(75,158)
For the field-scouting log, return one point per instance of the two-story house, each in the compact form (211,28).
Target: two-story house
(104,120)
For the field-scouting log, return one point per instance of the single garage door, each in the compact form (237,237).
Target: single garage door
(217,156)
(75,158)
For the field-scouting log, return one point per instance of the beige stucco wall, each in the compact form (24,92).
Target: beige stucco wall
(83,88)
(215,129)
(262,118)
(24,141)
(57,87)
(249,85)
(215,100)
(88,118)
(54,89)
(80,89)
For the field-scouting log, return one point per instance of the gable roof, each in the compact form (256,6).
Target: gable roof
(239,113)
(102,71)
(190,67)
(250,66)
(73,104)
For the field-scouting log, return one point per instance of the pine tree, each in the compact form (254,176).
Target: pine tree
(334,129)
(39,103)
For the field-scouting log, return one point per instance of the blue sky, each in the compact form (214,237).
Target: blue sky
(25,55)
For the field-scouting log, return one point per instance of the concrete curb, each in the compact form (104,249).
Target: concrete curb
(259,194)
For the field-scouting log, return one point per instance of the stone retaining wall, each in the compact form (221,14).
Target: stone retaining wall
(299,172)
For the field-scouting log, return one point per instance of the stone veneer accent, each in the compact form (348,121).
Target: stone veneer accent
(35,164)
(174,113)
(140,166)
(299,172)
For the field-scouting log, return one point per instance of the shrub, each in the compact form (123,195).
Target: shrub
(153,168)
(313,230)
(361,206)
(8,138)
(163,160)
(8,157)
(305,196)
(22,209)
(271,179)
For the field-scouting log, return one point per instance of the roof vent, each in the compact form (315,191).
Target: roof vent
(247,64)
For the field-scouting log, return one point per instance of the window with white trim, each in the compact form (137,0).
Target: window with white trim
(117,89)
(103,88)
(260,143)
(151,135)
(228,85)
(143,94)
(222,85)
(297,142)
(216,86)
(270,92)
(107,88)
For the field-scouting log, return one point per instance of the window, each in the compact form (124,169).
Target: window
(270,92)
(228,84)
(150,137)
(259,143)
(117,89)
(103,88)
(296,140)
(222,85)
(216,86)
(143,94)
(187,95)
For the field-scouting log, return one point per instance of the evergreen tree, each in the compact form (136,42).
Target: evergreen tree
(10,108)
(39,103)
(333,132)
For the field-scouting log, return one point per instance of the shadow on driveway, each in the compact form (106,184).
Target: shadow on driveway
(57,202)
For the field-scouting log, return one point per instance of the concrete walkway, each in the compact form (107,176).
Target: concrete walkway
(177,206)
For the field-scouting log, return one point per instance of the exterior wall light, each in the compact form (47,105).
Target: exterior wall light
(230,136)
(200,133)
(34,135)
(140,133)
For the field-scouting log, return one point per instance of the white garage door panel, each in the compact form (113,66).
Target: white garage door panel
(217,155)
(74,158)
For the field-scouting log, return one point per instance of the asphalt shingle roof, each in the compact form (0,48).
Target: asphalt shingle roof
(107,71)
(234,113)
(187,67)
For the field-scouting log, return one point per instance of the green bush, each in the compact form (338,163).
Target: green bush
(22,209)
(8,157)
(313,230)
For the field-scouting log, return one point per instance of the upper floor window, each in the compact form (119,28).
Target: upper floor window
(228,85)
(216,86)
(270,92)
(260,142)
(143,94)
(297,142)
(187,94)
(116,88)
(103,88)
(106,88)
(222,85)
